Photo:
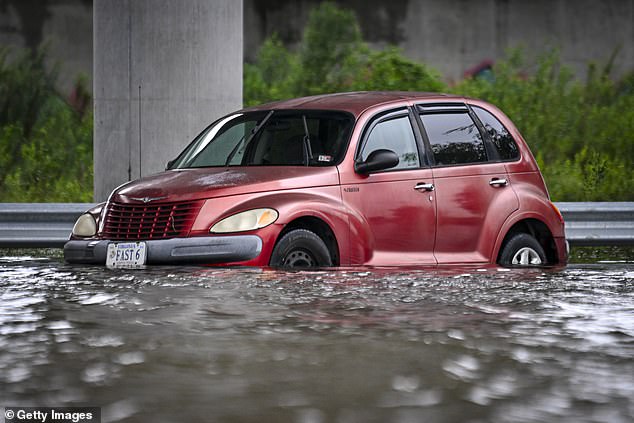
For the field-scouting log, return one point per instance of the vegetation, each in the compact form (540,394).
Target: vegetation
(582,132)
(621,254)
(332,57)
(45,143)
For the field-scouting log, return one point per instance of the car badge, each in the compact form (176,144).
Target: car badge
(148,199)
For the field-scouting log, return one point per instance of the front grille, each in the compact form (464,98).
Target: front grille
(156,221)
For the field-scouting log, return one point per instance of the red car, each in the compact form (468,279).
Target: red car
(368,178)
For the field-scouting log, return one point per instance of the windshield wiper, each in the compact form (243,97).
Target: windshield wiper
(308,152)
(248,140)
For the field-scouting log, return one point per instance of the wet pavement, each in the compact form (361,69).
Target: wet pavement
(189,344)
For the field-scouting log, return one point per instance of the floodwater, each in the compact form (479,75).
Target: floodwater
(193,344)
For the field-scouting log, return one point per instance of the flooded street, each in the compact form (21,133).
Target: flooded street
(192,344)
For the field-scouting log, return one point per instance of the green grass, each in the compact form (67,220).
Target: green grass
(579,255)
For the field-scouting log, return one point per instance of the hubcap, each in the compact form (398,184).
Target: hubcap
(526,257)
(299,258)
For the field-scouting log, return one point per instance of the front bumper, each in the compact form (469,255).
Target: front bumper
(196,250)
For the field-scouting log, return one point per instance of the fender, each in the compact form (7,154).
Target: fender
(556,231)
(323,203)
(534,199)
(328,210)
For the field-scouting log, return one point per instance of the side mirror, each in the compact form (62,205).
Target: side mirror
(169,164)
(377,160)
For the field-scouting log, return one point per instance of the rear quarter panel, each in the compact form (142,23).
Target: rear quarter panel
(534,201)
(528,183)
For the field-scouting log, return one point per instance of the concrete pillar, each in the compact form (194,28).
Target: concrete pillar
(163,70)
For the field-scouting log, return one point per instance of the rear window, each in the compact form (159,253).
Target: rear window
(499,135)
(454,138)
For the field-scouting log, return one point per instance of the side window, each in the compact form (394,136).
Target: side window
(454,138)
(394,134)
(501,138)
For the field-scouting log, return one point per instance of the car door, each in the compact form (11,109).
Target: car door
(471,185)
(393,211)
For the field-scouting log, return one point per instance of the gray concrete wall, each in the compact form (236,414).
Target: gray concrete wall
(450,35)
(455,35)
(64,25)
(163,70)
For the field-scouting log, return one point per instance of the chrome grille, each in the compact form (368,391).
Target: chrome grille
(143,221)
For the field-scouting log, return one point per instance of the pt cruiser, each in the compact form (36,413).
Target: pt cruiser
(366,178)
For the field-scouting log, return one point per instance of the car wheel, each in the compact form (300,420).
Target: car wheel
(522,250)
(300,248)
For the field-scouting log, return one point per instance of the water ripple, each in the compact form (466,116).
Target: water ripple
(416,344)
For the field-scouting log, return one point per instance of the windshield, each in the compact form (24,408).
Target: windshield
(270,138)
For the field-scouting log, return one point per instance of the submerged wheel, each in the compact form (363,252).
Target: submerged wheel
(300,248)
(522,250)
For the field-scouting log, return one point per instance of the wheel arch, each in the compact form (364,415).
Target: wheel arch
(537,229)
(318,226)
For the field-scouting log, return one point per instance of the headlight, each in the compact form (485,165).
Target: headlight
(246,221)
(85,226)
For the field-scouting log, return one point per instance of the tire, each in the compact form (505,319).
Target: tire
(522,250)
(300,248)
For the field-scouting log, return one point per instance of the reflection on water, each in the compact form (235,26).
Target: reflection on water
(356,345)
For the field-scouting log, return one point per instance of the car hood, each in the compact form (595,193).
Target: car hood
(203,183)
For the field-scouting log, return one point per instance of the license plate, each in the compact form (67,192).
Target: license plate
(127,255)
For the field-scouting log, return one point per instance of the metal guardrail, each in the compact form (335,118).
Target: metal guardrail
(599,224)
(31,225)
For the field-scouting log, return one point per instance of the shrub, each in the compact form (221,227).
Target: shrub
(45,145)
(272,77)
(332,57)
(389,70)
(582,132)
(25,85)
(331,52)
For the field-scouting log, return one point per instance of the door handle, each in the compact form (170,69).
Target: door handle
(498,182)
(424,187)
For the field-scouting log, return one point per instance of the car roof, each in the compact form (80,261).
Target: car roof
(353,102)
